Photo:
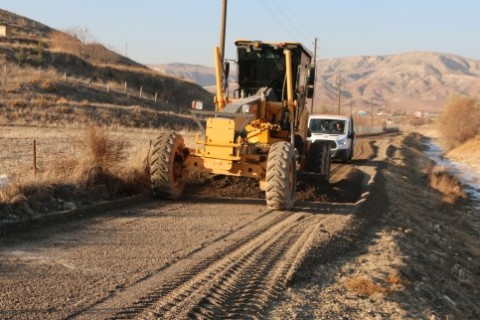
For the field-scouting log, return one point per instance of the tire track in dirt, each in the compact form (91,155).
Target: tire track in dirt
(243,283)
(242,277)
(149,290)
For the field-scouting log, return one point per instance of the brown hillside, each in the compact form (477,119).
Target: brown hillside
(50,77)
(409,81)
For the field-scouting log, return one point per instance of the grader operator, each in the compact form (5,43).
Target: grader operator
(260,132)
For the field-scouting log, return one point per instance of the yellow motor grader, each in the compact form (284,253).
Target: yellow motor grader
(260,132)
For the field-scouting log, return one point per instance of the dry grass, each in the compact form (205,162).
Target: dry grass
(447,185)
(101,170)
(459,121)
(396,280)
(365,286)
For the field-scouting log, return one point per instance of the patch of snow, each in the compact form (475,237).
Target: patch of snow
(4,181)
(467,176)
(69,206)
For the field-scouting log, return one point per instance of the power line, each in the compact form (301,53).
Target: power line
(288,14)
(279,21)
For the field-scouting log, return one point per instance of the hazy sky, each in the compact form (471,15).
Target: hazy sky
(166,31)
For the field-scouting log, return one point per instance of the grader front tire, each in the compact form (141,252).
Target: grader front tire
(167,174)
(281,176)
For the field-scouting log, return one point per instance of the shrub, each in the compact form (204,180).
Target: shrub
(365,286)
(450,188)
(39,50)
(20,56)
(459,121)
(101,156)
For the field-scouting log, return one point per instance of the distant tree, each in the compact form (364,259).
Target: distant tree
(82,34)
(460,120)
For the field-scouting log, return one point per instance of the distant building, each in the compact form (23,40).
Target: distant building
(5,31)
(421,114)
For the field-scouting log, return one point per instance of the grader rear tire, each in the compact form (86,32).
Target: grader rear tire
(167,174)
(281,176)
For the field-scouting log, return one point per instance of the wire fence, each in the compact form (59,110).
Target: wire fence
(30,155)
(29,148)
(13,77)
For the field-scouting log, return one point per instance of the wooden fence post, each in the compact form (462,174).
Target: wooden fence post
(125,90)
(156,94)
(34,157)
(141,89)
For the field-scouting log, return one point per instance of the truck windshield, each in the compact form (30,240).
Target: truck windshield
(330,126)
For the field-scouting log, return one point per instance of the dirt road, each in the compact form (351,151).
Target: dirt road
(203,258)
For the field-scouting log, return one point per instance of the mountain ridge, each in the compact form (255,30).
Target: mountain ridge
(408,81)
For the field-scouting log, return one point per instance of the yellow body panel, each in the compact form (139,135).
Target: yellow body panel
(219,146)
(220,131)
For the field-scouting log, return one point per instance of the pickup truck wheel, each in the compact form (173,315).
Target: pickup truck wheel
(348,156)
(167,174)
(281,176)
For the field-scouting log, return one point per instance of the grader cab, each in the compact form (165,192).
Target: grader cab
(260,132)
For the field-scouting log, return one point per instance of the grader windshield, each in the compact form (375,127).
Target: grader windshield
(262,65)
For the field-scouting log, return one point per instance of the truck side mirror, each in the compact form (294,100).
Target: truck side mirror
(311,76)
(310,91)
(311,83)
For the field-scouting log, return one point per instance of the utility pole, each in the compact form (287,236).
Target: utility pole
(223,29)
(371,112)
(315,68)
(351,106)
(339,84)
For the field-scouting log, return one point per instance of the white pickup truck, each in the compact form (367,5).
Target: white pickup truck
(336,129)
